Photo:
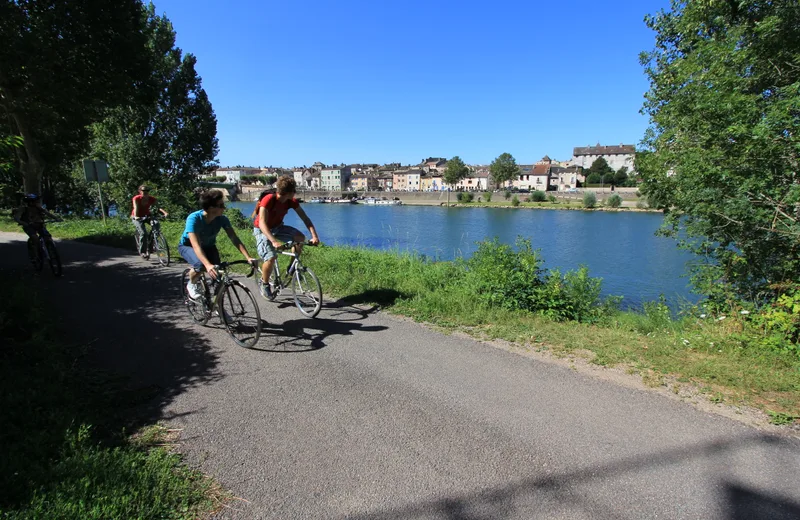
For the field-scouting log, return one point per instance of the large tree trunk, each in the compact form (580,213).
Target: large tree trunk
(33,167)
(31,161)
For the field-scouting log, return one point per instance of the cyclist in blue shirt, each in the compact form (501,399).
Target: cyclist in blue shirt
(198,245)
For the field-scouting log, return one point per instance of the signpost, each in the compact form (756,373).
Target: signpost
(97,171)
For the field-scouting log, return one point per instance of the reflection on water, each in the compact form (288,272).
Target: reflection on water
(621,248)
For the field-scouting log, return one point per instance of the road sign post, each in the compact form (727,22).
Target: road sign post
(97,171)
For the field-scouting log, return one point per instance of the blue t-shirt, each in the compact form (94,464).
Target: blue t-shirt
(206,232)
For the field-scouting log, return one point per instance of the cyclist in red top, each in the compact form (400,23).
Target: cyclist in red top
(140,215)
(270,231)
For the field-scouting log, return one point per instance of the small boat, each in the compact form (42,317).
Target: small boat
(386,202)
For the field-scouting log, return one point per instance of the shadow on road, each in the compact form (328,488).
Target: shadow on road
(568,493)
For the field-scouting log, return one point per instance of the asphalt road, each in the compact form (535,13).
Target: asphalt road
(361,415)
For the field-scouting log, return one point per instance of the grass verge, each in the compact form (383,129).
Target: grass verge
(64,453)
(713,356)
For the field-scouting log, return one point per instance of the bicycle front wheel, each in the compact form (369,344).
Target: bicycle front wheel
(162,249)
(240,314)
(35,254)
(53,258)
(307,291)
(197,309)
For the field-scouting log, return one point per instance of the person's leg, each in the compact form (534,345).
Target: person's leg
(141,232)
(267,253)
(188,254)
(33,238)
(288,233)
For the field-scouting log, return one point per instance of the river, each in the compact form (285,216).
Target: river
(619,247)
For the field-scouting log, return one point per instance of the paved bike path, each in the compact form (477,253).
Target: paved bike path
(363,415)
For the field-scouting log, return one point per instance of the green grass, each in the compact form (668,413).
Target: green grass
(64,454)
(708,354)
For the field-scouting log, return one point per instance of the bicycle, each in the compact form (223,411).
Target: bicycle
(229,299)
(306,289)
(45,249)
(156,242)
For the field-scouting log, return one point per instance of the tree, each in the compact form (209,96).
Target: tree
(601,168)
(166,136)
(621,177)
(594,178)
(456,170)
(503,169)
(723,147)
(64,64)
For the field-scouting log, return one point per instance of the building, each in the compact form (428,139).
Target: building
(234,175)
(434,164)
(615,156)
(335,178)
(363,182)
(399,181)
(385,181)
(562,179)
(432,181)
(413,180)
(474,181)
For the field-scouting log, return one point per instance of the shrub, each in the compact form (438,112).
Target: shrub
(507,194)
(640,204)
(515,201)
(589,199)
(515,280)
(780,322)
(575,296)
(538,196)
(465,197)
(552,198)
(503,277)
(487,196)
(238,220)
(614,201)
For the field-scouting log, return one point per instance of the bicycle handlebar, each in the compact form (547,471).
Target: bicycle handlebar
(225,265)
(290,244)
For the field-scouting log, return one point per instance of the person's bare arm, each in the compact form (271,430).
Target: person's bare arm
(310,225)
(201,256)
(262,225)
(238,243)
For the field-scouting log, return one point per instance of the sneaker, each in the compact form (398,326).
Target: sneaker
(265,289)
(195,290)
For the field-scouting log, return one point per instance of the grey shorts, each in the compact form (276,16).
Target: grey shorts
(265,248)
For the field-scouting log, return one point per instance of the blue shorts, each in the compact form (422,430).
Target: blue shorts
(265,248)
(188,254)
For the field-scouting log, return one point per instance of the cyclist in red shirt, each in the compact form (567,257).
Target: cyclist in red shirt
(270,231)
(140,215)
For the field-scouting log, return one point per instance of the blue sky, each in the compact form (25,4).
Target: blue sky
(294,82)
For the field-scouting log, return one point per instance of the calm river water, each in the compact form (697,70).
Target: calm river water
(621,248)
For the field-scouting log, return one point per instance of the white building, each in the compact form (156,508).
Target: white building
(234,175)
(615,156)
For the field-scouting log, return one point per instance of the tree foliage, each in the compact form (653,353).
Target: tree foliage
(503,169)
(723,148)
(64,64)
(166,135)
(456,170)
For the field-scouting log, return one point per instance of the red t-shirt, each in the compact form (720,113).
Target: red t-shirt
(139,199)
(276,210)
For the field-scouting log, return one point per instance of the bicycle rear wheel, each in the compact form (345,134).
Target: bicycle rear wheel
(307,291)
(198,309)
(53,258)
(161,249)
(240,314)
